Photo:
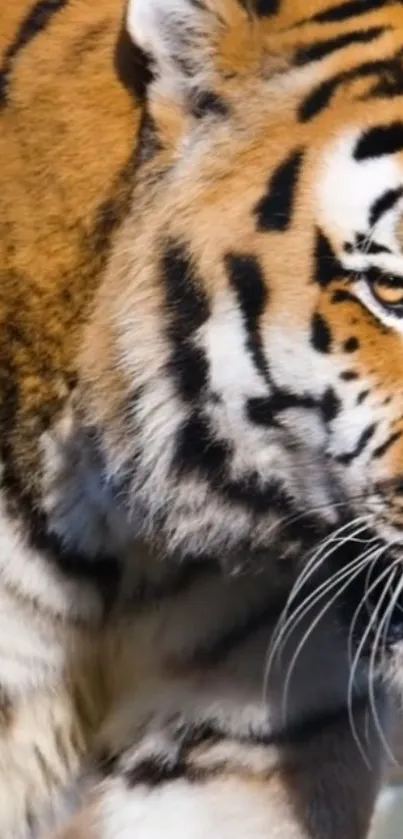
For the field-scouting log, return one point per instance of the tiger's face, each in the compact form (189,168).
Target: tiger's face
(251,324)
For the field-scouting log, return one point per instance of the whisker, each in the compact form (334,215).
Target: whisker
(351,576)
(334,539)
(319,557)
(287,619)
(395,598)
(295,618)
(371,669)
(376,555)
(353,669)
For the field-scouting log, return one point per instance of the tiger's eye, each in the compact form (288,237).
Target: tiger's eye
(387,295)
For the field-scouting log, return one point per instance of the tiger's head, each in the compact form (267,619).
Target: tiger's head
(243,367)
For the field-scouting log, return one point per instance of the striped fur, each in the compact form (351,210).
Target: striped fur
(201,302)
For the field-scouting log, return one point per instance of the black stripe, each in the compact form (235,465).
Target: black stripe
(263,8)
(363,441)
(343,296)
(380,140)
(389,81)
(382,449)
(348,9)
(327,266)
(176,763)
(256,496)
(186,301)
(264,411)
(35,21)
(103,572)
(321,336)
(377,275)
(363,396)
(331,405)
(206,102)
(246,278)
(157,769)
(197,450)
(187,308)
(365,245)
(321,49)
(383,204)
(274,210)
(320,97)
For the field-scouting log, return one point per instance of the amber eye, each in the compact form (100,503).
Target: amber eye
(388,295)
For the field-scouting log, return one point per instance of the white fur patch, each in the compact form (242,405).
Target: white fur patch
(346,191)
(347,188)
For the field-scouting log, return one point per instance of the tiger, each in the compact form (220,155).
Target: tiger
(201,427)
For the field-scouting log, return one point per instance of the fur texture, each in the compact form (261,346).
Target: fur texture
(200,414)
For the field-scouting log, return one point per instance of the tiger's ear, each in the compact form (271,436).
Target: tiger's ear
(181,37)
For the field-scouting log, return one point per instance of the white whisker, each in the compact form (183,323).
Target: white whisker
(289,621)
(333,539)
(295,618)
(371,669)
(360,648)
(395,598)
(351,576)
(375,556)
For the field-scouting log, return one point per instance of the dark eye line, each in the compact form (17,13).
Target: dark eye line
(375,276)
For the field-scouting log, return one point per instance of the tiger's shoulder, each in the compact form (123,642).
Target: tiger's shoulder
(70,112)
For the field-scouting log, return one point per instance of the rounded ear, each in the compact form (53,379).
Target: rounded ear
(173,33)
(181,37)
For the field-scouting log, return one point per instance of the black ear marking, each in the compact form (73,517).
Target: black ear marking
(132,66)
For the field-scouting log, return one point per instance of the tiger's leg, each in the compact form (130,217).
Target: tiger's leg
(315,786)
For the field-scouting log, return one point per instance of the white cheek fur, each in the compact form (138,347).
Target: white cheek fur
(347,189)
